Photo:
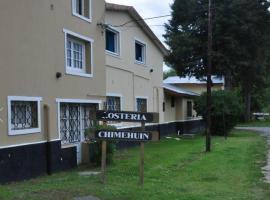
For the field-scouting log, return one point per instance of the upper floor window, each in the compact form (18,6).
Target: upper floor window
(141,104)
(82,9)
(24,115)
(112,41)
(76,55)
(140,52)
(79,50)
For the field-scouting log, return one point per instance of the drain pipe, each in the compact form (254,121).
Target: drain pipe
(46,109)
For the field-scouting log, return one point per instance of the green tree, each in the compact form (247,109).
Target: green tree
(227,110)
(169,73)
(241,30)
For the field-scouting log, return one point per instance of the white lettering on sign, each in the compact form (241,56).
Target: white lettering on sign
(125,135)
(125,116)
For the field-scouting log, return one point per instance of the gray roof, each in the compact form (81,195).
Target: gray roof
(135,15)
(179,90)
(192,80)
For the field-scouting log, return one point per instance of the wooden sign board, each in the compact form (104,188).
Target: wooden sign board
(125,116)
(123,135)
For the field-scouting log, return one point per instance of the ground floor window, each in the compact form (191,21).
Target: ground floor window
(113,103)
(24,115)
(74,120)
(141,104)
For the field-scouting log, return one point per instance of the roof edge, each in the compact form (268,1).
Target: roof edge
(140,21)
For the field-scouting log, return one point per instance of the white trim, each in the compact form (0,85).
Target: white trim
(139,41)
(87,39)
(141,97)
(109,94)
(28,130)
(81,16)
(25,144)
(118,45)
(77,35)
(71,72)
(81,101)
(58,100)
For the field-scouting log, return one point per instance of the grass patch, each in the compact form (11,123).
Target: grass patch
(256,123)
(175,170)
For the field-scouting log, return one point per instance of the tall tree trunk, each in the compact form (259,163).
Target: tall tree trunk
(247,100)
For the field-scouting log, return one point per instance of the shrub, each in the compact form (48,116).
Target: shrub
(95,145)
(226,110)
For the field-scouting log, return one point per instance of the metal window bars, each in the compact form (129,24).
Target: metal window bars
(74,120)
(24,115)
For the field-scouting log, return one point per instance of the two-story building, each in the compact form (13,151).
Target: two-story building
(52,79)
(60,61)
(134,62)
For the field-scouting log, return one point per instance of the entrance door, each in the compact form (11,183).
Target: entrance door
(75,119)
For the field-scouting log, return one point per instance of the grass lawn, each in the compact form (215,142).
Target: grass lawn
(175,170)
(256,123)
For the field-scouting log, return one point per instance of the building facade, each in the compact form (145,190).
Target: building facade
(134,62)
(60,61)
(52,81)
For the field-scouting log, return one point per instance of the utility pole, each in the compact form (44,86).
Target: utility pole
(209,82)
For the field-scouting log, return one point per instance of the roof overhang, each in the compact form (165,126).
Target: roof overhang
(177,91)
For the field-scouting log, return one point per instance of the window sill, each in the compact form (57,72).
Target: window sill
(79,74)
(24,131)
(65,146)
(140,63)
(110,53)
(89,20)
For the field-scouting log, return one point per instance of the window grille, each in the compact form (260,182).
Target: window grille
(24,115)
(113,104)
(141,105)
(74,120)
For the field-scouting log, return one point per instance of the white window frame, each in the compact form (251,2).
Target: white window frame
(143,53)
(79,101)
(71,71)
(28,130)
(118,42)
(141,97)
(72,68)
(82,16)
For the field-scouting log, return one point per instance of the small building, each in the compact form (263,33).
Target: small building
(178,103)
(195,85)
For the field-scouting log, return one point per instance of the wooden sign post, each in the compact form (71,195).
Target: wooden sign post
(103,160)
(142,159)
(141,136)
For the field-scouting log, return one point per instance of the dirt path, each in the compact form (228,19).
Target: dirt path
(265,131)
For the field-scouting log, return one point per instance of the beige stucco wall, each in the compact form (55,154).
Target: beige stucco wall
(32,51)
(131,80)
(179,111)
(200,88)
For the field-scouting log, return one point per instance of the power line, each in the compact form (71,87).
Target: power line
(144,19)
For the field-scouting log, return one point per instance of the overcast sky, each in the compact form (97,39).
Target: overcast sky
(150,8)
